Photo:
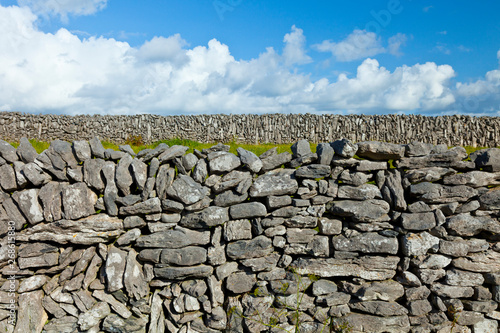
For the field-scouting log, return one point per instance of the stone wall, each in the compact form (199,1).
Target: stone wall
(273,128)
(404,238)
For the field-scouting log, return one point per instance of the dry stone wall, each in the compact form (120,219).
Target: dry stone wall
(404,238)
(273,128)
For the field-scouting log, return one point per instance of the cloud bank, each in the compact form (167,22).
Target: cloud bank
(64,73)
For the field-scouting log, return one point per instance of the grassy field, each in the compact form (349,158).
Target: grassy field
(257,149)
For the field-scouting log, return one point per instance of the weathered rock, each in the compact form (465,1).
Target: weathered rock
(366,243)
(277,182)
(110,191)
(380,308)
(325,153)
(456,277)
(260,246)
(488,159)
(133,277)
(275,161)
(237,230)
(188,191)
(208,217)
(222,162)
(229,198)
(473,179)
(150,206)
(375,324)
(90,230)
(123,175)
(436,193)
(482,262)
(250,160)
(313,171)
(240,282)
(247,210)
(345,148)
(8,152)
(78,201)
(419,244)
(7,178)
(171,153)
(418,221)
(452,291)
(187,256)
(35,174)
(444,159)
(174,238)
(361,211)
(115,268)
(490,199)
(93,316)
(370,268)
(467,225)
(363,192)
(182,273)
(349,177)
(92,173)
(380,150)
(27,202)
(428,174)
(32,318)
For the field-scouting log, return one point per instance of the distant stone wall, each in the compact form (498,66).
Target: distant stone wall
(95,240)
(272,128)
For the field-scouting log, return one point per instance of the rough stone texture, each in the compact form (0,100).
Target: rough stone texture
(194,245)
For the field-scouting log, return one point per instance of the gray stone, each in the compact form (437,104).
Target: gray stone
(208,217)
(329,226)
(436,193)
(301,148)
(25,151)
(419,244)
(133,222)
(182,273)
(456,277)
(94,229)
(247,210)
(325,153)
(380,308)
(32,318)
(44,260)
(375,324)
(416,148)
(8,152)
(366,165)
(380,150)
(172,153)
(93,316)
(139,171)
(149,154)
(222,162)
(229,198)
(277,182)
(418,221)
(260,246)
(32,283)
(482,262)
(490,199)
(115,268)
(333,299)
(113,323)
(96,147)
(174,238)
(419,307)
(266,263)
(361,211)
(172,206)
(444,159)
(35,174)
(368,267)
(92,174)
(78,201)
(393,191)
(485,326)
(188,191)
(366,243)
(302,222)
(473,179)
(349,177)
(7,178)
(27,202)
(133,277)
(488,159)
(323,287)
(240,282)
(250,160)
(313,171)
(123,175)
(200,171)
(345,148)
(452,291)
(117,306)
(275,161)
(237,230)
(363,192)
(150,206)
(428,174)
(187,256)
(127,149)
(318,247)
(467,225)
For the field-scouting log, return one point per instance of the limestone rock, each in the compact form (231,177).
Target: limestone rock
(247,210)
(123,175)
(467,225)
(345,148)
(325,153)
(186,190)
(93,316)
(260,246)
(366,243)
(150,206)
(25,151)
(419,244)
(174,238)
(27,201)
(380,150)
(363,192)
(276,182)
(418,221)
(313,171)
(32,317)
(223,162)
(208,217)
(489,159)
(361,211)
(436,193)
(186,256)
(182,273)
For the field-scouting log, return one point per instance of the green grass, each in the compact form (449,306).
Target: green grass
(258,149)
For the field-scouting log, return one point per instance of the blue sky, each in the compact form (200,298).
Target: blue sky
(247,56)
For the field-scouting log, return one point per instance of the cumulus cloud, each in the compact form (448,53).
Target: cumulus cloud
(359,44)
(64,7)
(294,51)
(66,73)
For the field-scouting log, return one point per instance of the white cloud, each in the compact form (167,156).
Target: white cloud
(65,73)
(64,7)
(294,52)
(395,43)
(359,44)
